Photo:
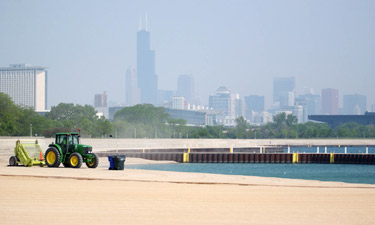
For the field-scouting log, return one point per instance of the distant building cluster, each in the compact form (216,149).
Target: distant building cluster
(27,86)
(224,106)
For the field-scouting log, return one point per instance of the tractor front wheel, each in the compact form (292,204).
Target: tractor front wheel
(94,162)
(13,161)
(52,157)
(75,160)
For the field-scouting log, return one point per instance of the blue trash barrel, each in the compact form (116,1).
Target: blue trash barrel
(111,162)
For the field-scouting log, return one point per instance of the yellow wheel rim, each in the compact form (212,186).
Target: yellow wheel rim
(91,163)
(51,158)
(74,160)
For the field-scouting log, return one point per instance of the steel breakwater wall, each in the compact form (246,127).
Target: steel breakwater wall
(225,156)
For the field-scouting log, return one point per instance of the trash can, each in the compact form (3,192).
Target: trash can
(119,162)
(111,162)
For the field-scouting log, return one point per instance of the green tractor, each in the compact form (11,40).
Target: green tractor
(68,151)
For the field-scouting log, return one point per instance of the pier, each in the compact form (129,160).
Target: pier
(243,155)
(225,150)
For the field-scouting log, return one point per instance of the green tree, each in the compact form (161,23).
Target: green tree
(241,126)
(200,132)
(280,119)
(9,114)
(216,131)
(145,120)
(291,120)
(70,117)
(16,120)
(178,126)
(145,113)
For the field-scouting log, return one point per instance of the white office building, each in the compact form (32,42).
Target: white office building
(26,85)
(178,102)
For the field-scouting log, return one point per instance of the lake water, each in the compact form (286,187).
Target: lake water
(349,173)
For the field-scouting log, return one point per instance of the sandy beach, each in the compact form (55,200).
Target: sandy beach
(40,195)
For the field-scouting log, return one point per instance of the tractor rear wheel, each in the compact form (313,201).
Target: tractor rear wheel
(75,160)
(94,162)
(13,161)
(52,157)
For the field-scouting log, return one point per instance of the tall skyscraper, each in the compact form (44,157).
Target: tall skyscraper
(131,87)
(355,104)
(330,101)
(221,101)
(281,88)
(185,87)
(100,100)
(313,103)
(147,79)
(239,109)
(254,103)
(25,84)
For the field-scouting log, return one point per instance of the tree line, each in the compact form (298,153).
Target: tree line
(148,121)
(23,121)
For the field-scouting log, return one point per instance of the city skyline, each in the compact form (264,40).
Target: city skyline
(243,50)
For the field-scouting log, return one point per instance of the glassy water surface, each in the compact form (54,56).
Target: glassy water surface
(349,173)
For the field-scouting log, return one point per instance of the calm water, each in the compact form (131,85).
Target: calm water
(325,172)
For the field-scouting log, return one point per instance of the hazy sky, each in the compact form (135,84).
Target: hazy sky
(88,45)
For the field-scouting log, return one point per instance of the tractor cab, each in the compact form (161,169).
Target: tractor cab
(67,141)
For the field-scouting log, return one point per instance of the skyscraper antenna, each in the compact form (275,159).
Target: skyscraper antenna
(140,23)
(146,22)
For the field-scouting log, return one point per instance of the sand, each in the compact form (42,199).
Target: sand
(38,195)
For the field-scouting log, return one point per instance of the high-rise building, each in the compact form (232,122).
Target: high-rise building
(313,103)
(224,105)
(100,100)
(185,87)
(282,85)
(355,104)
(239,108)
(253,103)
(100,105)
(131,87)
(221,101)
(299,113)
(287,99)
(25,84)
(330,101)
(301,110)
(147,79)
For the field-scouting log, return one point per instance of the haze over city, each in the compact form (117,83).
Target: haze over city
(88,45)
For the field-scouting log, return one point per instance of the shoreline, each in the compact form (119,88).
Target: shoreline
(140,175)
